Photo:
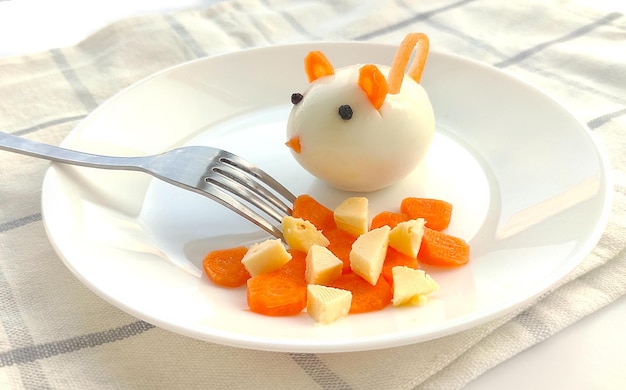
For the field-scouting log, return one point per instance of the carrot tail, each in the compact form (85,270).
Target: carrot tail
(412,41)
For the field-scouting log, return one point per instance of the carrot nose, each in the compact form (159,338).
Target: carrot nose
(294,144)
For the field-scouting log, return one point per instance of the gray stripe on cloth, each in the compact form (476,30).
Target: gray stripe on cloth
(83,94)
(599,285)
(414,19)
(479,43)
(534,322)
(607,19)
(259,27)
(18,335)
(10,225)
(189,40)
(54,122)
(33,353)
(319,372)
(561,76)
(240,37)
(550,313)
(293,22)
(601,120)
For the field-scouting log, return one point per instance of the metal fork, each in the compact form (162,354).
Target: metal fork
(214,173)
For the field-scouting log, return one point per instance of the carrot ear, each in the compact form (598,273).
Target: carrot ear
(316,65)
(373,83)
(420,43)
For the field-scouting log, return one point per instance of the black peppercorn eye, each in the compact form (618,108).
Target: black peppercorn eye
(345,112)
(296,98)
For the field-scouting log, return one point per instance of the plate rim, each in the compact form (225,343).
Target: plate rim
(308,346)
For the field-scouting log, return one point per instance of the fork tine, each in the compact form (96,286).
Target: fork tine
(236,176)
(245,183)
(229,180)
(216,193)
(251,196)
(245,166)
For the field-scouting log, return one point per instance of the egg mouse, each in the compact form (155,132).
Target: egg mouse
(363,127)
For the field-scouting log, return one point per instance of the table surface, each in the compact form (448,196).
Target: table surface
(589,354)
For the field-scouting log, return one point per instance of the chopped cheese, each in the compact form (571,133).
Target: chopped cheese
(300,234)
(352,215)
(411,286)
(406,237)
(265,256)
(322,266)
(368,254)
(327,304)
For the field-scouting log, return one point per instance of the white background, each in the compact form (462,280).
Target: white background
(590,354)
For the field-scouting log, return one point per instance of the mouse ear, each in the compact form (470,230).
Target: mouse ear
(316,65)
(374,84)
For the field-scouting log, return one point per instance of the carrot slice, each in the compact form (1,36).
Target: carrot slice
(418,41)
(436,212)
(388,218)
(395,258)
(373,83)
(317,65)
(276,293)
(365,297)
(341,245)
(443,249)
(224,267)
(296,266)
(309,209)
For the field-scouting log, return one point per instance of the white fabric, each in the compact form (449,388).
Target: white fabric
(55,333)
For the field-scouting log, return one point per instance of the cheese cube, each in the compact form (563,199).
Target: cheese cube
(410,286)
(265,256)
(327,304)
(300,234)
(368,254)
(406,237)
(352,215)
(322,266)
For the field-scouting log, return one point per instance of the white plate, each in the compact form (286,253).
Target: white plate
(528,184)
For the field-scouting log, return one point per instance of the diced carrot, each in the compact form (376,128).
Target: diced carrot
(296,266)
(340,245)
(276,293)
(418,41)
(395,258)
(365,297)
(317,65)
(307,208)
(388,218)
(436,212)
(373,83)
(442,249)
(224,267)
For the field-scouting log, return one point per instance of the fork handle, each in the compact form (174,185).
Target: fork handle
(28,147)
